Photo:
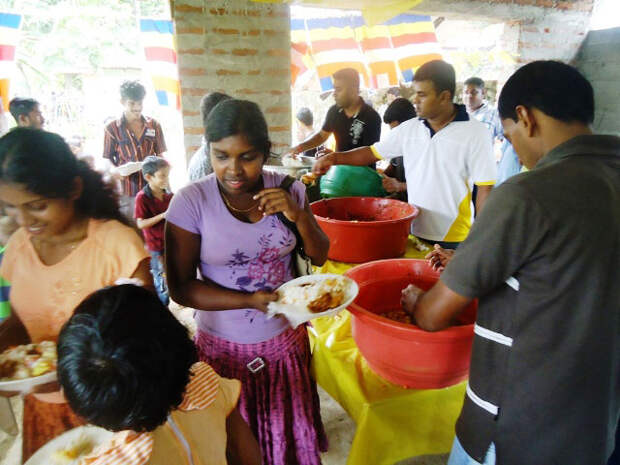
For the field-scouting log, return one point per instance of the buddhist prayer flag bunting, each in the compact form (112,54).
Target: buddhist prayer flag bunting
(9,36)
(299,49)
(334,46)
(383,54)
(161,60)
(414,43)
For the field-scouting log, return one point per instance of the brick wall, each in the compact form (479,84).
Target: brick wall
(238,47)
(534,29)
(599,61)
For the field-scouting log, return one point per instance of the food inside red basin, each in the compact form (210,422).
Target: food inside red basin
(359,227)
(400,352)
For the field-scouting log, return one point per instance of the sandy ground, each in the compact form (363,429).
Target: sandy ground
(339,427)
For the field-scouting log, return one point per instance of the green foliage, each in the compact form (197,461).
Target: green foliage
(64,44)
(72,36)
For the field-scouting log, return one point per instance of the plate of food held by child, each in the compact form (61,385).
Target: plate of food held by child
(71,447)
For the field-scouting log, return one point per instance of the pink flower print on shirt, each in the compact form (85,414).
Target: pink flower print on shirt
(268,268)
(256,270)
(276,273)
(269,255)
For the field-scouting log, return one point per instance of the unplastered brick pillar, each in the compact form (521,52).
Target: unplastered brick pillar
(238,47)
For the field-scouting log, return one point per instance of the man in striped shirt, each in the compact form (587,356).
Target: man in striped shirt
(129,140)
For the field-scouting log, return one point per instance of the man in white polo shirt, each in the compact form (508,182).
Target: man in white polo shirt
(445,154)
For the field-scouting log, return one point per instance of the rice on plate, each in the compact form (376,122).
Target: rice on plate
(313,296)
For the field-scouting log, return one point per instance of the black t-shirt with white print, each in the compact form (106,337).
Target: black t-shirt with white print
(361,130)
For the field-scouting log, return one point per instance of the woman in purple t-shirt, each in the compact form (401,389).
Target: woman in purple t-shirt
(226,226)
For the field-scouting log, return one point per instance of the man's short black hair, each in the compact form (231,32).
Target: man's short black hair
(399,110)
(132,90)
(440,73)
(22,106)
(124,360)
(348,75)
(304,114)
(208,103)
(556,89)
(475,81)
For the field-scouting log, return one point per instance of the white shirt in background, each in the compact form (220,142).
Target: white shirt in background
(441,171)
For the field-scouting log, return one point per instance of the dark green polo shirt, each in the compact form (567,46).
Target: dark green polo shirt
(544,259)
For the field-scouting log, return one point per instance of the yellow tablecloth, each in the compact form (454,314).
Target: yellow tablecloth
(415,249)
(393,423)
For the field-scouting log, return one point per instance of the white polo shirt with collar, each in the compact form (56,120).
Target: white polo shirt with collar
(441,170)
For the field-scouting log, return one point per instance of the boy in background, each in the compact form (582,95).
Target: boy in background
(150,215)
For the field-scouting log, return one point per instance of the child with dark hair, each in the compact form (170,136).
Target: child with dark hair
(127,365)
(227,225)
(397,112)
(150,215)
(304,120)
(72,241)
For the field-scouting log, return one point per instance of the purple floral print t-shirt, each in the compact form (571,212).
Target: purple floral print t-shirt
(241,256)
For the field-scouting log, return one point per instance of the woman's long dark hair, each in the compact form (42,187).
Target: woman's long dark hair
(43,162)
(239,117)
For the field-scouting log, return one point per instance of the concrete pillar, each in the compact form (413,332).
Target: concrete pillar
(238,47)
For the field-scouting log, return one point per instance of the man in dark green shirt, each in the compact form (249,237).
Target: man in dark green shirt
(544,260)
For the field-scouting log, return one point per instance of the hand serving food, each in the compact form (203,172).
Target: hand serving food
(439,258)
(409,298)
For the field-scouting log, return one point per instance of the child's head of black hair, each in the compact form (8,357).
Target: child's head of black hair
(124,360)
(152,164)
(399,111)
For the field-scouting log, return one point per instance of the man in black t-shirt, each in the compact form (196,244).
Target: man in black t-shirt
(352,121)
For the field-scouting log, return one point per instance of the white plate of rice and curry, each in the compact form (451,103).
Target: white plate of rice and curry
(313,296)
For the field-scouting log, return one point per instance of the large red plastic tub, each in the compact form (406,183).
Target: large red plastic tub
(403,353)
(363,229)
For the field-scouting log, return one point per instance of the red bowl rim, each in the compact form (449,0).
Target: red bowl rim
(409,217)
(403,328)
(449,333)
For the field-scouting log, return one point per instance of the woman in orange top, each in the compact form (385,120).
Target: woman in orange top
(72,241)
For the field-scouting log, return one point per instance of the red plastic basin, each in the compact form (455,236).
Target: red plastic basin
(363,229)
(399,352)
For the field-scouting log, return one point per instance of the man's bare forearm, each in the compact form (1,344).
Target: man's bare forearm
(312,142)
(362,156)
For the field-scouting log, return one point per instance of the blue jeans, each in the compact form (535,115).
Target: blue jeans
(458,456)
(159,276)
